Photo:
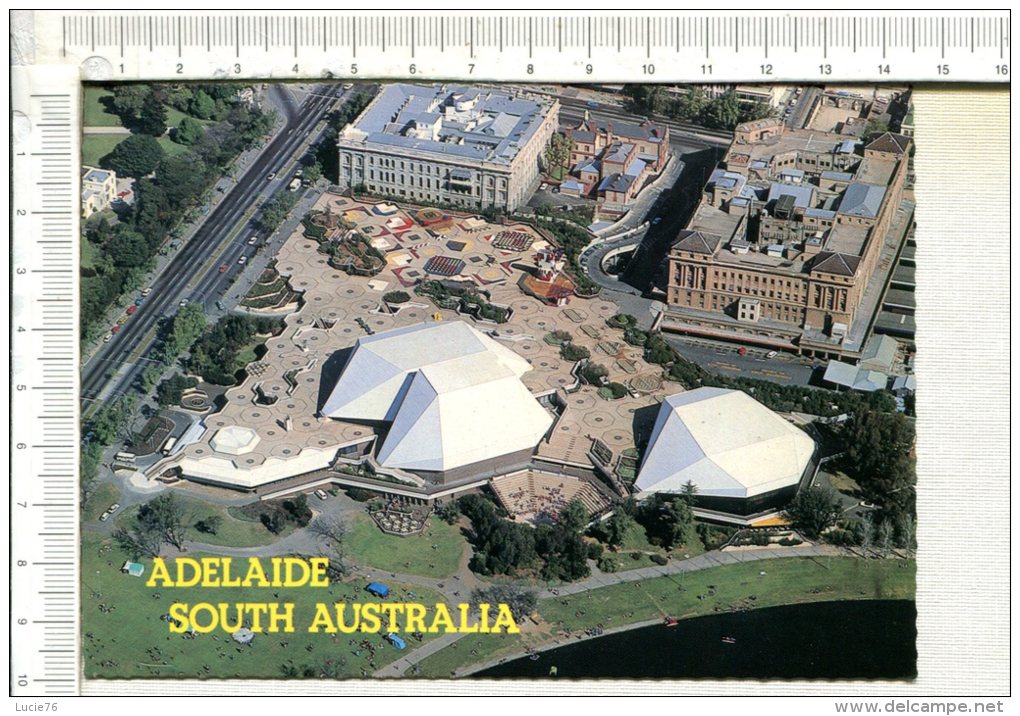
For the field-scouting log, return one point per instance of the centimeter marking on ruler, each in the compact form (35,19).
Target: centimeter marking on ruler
(656,37)
(44,447)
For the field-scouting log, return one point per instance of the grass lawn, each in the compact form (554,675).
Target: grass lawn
(95,114)
(104,496)
(125,638)
(232,532)
(171,147)
(434,553)
(786,581)
(96,146)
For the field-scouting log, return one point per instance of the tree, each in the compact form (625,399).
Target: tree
(209,525)
(171,390)
(689,493)
(187,326)
(573,517)
(188,131)
(690,105)
(166,516)
(313,173)
(138,541)
(522,602)
(331,534)
(202,105)
(884,536)
(558,153)
(152,117)
(614,530)
(678,520)
(877,454)
(128,100)
(127,248)
(136,156)
(276,210)
(723,112)
(814,510)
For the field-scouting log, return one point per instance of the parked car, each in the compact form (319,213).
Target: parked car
(107,338)
(104,517)
(183,303)
(146,291)
(321,494)
(771,354)
(131,309)
(742,351)
(115,329)
(253,240)
(113,508)
(242,260)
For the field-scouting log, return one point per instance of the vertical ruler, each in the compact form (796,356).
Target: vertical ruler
(44,493)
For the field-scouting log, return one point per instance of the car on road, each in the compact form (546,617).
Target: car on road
(242,260)
(321,494)
(347,85)
(253,240)
(223,268)
(591,104)
(270,176)
(657,220)
(771,354)
(183,303)
(741,351)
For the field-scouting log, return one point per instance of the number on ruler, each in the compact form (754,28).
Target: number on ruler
(825,69)
(648,69)
(943,69)
(1002,69)
(706,69)
(766,69)
(883,69)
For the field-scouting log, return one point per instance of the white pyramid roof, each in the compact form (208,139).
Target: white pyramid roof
(377,373)
(453,395)
(726,443)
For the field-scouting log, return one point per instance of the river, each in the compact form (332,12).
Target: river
(825,640)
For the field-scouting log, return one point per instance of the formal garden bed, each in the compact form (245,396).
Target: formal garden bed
(465,300)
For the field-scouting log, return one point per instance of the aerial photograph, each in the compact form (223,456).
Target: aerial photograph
(425,380)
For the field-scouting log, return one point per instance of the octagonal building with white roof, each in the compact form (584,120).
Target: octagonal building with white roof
(742,457)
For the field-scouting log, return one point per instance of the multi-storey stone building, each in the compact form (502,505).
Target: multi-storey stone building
(463,146)
(791,243)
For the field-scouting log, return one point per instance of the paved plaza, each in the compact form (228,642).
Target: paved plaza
(285,437)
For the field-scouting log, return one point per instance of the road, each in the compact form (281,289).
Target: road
(115,366)
(723,359)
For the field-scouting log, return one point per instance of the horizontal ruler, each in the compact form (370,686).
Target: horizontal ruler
(563,47)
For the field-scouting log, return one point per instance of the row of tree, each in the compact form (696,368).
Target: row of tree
(125,252)
(724,111)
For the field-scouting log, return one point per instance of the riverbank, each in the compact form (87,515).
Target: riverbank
(728,588)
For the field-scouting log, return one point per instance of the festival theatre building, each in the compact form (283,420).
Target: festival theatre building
(794,238)
(448,145)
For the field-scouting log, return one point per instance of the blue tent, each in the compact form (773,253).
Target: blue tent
(378,589)
(396,641)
